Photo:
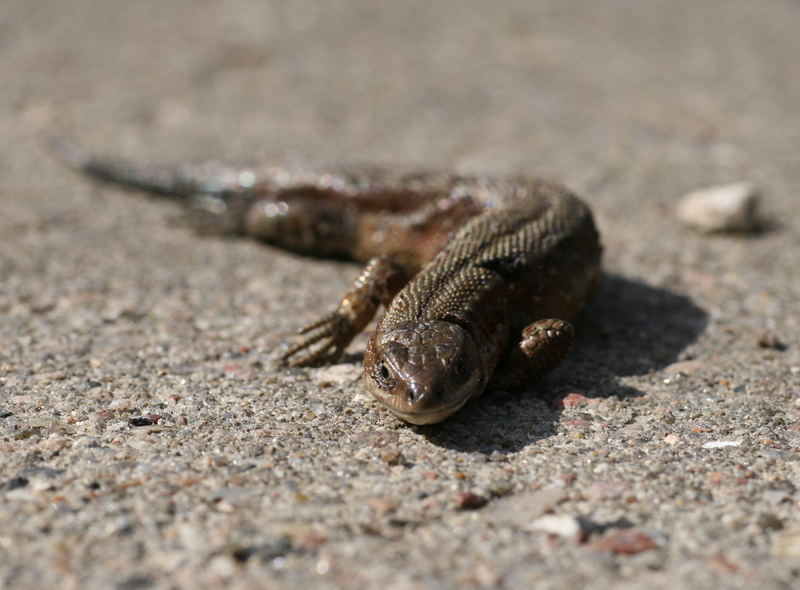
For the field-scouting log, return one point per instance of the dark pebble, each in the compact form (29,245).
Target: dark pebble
(136,583)
(770,340)
(140,421)
(768,521)
(469,501)
(15,482)
(268,551)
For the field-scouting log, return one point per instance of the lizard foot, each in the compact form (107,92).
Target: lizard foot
(543,346)
(545,343)
(320,342)
(324,340)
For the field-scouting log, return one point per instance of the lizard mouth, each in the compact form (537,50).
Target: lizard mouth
(427,416)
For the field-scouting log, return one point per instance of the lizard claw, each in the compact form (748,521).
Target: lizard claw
(324,340)
(320,342)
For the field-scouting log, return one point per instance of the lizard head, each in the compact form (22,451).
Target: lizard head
(423,372)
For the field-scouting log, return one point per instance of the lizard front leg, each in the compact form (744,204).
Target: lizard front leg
(544,345)
(324,340)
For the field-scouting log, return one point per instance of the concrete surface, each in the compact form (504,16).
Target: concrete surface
(677,469)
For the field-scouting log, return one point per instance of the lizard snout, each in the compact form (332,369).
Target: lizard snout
(424,373)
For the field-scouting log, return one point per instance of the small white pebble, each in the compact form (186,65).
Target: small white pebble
(672,439)
(562,525)
(718,444)
(323,567)
(730,207)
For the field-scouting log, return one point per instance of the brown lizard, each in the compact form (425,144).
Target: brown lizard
(480,276)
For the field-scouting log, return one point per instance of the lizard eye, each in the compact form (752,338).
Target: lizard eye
(383,376)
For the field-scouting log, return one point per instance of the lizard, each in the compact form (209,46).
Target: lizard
(480,276)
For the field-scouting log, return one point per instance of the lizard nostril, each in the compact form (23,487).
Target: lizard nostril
(414,394)
(421,393)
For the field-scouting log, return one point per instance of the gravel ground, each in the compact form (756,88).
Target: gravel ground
(147,442)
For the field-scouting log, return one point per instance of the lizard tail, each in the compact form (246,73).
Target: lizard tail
(177,182)
(217,196)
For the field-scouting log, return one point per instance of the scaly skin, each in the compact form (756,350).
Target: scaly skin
(480,276)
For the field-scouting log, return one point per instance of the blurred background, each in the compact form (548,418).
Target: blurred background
(647,97)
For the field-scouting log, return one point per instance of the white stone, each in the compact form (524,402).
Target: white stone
(730,207)
(562,525)
(719,444)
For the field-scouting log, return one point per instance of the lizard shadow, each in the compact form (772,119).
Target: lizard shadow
(628,329)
